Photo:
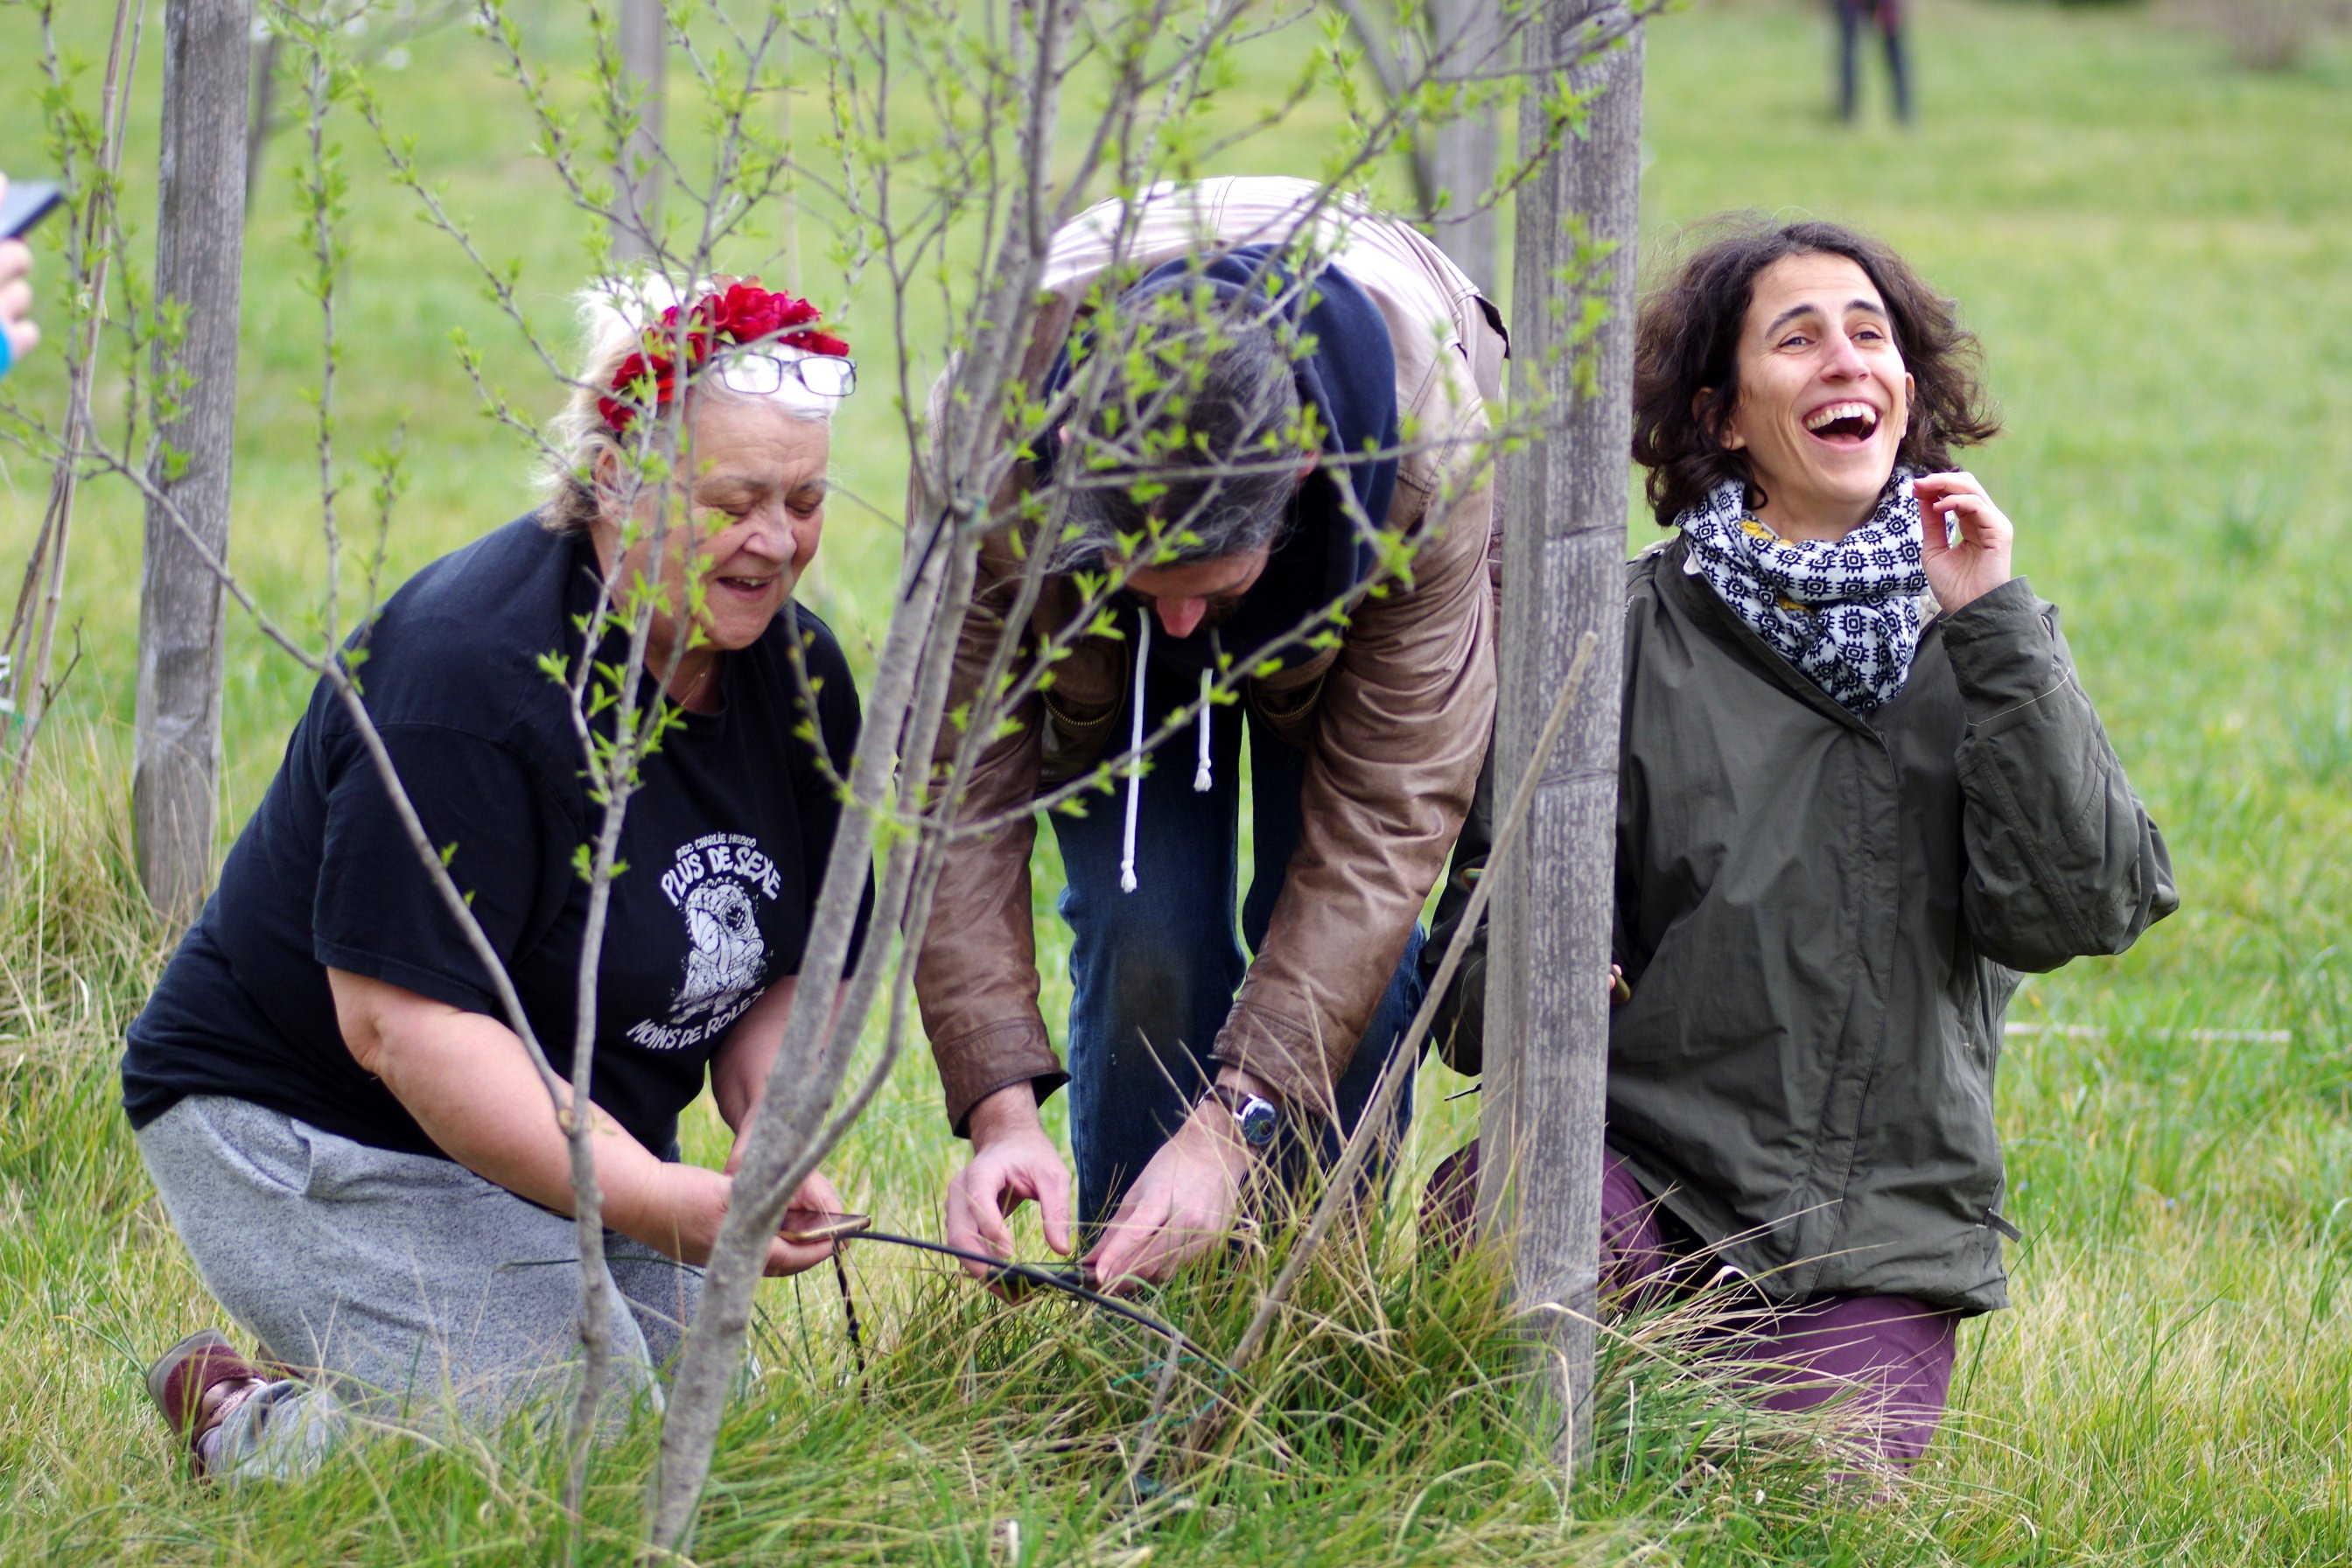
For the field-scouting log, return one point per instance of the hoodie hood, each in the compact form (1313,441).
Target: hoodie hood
(1348,375)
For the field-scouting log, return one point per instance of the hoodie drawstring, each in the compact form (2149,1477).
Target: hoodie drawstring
(1135,744)
(1200,778)
(1200,773)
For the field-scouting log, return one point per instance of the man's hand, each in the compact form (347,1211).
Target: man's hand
(1184,1201)
(1012,1162)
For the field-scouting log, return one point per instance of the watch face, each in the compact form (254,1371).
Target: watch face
(1257,1119)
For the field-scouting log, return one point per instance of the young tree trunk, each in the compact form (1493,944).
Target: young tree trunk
(1547,991)
(199,244)
(636,182)
(1465,154)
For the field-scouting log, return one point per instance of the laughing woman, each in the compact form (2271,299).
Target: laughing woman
(345,1132)
(1860,790)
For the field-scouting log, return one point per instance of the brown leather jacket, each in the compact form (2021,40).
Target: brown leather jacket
(1395,719)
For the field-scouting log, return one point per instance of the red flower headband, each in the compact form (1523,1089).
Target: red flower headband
(739,312)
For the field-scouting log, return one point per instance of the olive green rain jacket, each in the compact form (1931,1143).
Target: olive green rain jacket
(1822,918)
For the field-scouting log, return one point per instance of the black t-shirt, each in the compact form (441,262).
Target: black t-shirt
(724,846)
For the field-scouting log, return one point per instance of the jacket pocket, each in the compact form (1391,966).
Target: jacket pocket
(342,1169)
(1078,711)
(1071,740)
(268,1146)
(1286,700)
(1970,1057)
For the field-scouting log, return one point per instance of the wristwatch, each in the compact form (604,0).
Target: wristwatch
(1255,1116)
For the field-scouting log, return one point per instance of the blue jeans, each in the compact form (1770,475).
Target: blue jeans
(1153,973)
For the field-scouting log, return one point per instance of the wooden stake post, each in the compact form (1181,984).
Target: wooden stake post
(1465,154)
(636,193)
(1565,502)
(199,249)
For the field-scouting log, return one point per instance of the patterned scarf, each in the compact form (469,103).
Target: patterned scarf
(1846,614)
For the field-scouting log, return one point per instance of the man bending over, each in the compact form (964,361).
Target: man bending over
(1273,479)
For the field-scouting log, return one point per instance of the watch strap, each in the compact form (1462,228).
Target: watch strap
(1255,1116)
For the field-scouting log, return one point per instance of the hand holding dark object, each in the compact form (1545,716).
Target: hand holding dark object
(1014,1281)
(812,1227)
(1185,1200)
(1966,542)
(684,1206)
(1010,1280)
(18,335)
(1012,1162)
(816,1202)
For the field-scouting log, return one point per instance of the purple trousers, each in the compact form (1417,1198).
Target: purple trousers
(1886,1361)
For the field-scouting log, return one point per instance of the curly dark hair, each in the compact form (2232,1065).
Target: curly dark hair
(1686,363)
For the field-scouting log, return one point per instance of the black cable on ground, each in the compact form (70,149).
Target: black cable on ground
(1032,1274)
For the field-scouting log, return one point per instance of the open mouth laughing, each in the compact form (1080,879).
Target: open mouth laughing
(750,587)
(1843,423)
(1846,424)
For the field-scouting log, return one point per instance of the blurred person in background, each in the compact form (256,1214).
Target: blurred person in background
(347,1135)
(1855,17)
(19,333)
(1860,790)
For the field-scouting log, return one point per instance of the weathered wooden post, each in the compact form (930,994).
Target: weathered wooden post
(1547,987)
(265,97)
(199,248)
(636,182)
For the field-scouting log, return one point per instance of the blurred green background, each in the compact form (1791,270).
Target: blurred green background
(2154,240)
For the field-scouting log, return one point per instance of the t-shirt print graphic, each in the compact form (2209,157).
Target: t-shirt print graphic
(713,882)
(724,962)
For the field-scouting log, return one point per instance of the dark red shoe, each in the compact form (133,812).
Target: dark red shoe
(196,1384)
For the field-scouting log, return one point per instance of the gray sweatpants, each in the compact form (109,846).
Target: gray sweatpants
(405,1289)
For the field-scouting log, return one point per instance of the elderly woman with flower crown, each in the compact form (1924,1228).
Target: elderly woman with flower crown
(346,1133)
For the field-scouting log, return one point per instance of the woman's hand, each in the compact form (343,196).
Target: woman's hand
(815,1193)
(1962,572)
(678,1210)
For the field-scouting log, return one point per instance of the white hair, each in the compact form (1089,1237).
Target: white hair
(613,314)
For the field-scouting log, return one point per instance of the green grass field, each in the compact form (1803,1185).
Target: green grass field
(2157,248)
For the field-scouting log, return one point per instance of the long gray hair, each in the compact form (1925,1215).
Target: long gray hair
(1213,474)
